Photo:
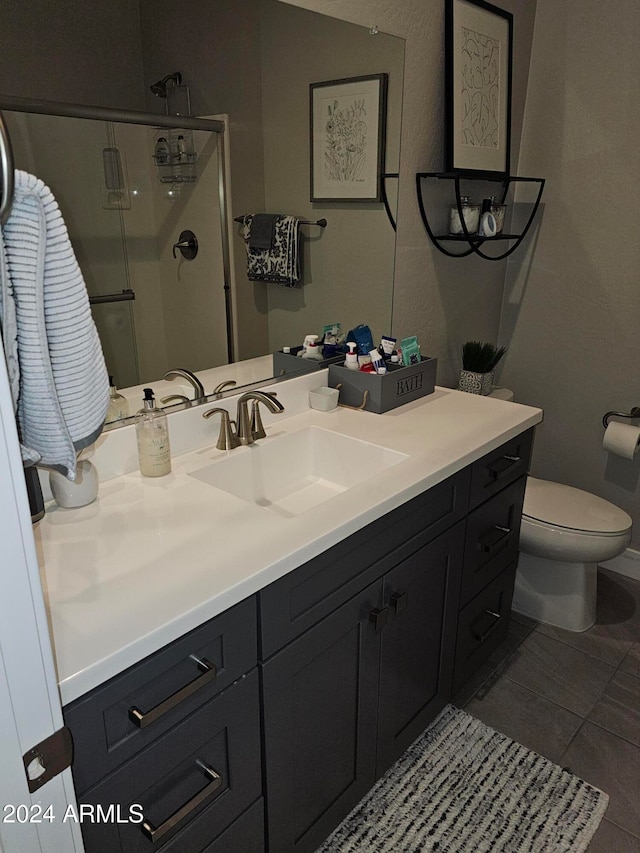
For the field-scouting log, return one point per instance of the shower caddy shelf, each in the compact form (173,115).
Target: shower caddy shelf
(178,169)
(473,242)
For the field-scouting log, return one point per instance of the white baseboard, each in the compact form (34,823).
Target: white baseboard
(627,564)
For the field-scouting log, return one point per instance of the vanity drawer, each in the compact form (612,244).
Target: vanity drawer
(500,467)
(302,598)
(124,715)
(483,625)
(190,785)
(491,542)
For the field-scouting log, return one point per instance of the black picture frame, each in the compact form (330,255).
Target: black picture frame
(347,133)
(478,90)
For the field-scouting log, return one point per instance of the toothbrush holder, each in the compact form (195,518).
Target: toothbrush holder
(324,399)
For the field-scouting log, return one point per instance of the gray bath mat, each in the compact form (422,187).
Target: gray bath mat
(465,788)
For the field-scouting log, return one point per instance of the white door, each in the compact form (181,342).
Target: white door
(29,701)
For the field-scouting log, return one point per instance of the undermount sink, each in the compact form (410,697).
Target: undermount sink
(294,473)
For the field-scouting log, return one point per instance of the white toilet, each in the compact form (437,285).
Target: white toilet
(565,533)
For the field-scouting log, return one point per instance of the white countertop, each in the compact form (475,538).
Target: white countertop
(154,558)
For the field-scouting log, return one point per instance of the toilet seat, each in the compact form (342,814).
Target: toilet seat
(571,509)
(569,525)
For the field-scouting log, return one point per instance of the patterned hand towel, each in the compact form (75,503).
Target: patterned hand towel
(56,367)
(280,263)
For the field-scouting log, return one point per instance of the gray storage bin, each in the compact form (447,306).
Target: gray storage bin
(285,362)
(399,385)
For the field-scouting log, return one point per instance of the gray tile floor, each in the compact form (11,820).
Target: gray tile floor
(575,698)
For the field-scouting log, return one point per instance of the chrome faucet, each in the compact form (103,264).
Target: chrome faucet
(249,428)
(190,377)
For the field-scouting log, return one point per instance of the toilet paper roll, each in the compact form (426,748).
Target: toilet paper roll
(621,439)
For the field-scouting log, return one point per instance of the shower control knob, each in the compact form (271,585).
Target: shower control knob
(187,244)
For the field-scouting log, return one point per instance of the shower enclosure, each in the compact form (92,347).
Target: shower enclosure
(155,306)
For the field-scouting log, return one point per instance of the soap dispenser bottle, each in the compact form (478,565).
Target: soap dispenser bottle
(152,435)
(351,360)
(118,406)
(310,348)
(162,152)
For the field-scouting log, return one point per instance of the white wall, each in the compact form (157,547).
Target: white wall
(572,317)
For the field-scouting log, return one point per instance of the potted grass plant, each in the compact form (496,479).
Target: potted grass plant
(479,360)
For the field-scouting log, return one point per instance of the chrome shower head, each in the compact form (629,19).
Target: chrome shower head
(160,88)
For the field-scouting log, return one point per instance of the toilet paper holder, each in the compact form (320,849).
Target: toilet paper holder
(634,413)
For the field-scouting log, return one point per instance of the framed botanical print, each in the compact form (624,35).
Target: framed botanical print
(347,134)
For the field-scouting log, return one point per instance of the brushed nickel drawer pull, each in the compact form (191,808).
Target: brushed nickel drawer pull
(502,466)
(154,833)
(495,539)
(143,719)
(482,636)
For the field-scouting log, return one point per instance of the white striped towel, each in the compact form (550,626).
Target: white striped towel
(56,367)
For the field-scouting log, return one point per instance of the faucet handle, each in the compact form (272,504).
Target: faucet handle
(229,383)
(227,439)
(177,397)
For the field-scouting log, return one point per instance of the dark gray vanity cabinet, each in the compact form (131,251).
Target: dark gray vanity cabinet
(344,699)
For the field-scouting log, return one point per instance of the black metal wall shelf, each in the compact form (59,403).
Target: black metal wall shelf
(474,242)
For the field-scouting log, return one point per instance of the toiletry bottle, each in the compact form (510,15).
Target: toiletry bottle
(118,406)
(310,348)
(351,360)
(162,152)
(488,226)
(181,146)
(377,361)
(152,434)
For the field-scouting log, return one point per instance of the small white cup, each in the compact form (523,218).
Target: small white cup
(324,399)
(75,493)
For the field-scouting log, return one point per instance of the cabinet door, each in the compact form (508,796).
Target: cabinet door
(320,708)
(418,643)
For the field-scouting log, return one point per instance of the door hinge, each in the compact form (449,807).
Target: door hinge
(48,758)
